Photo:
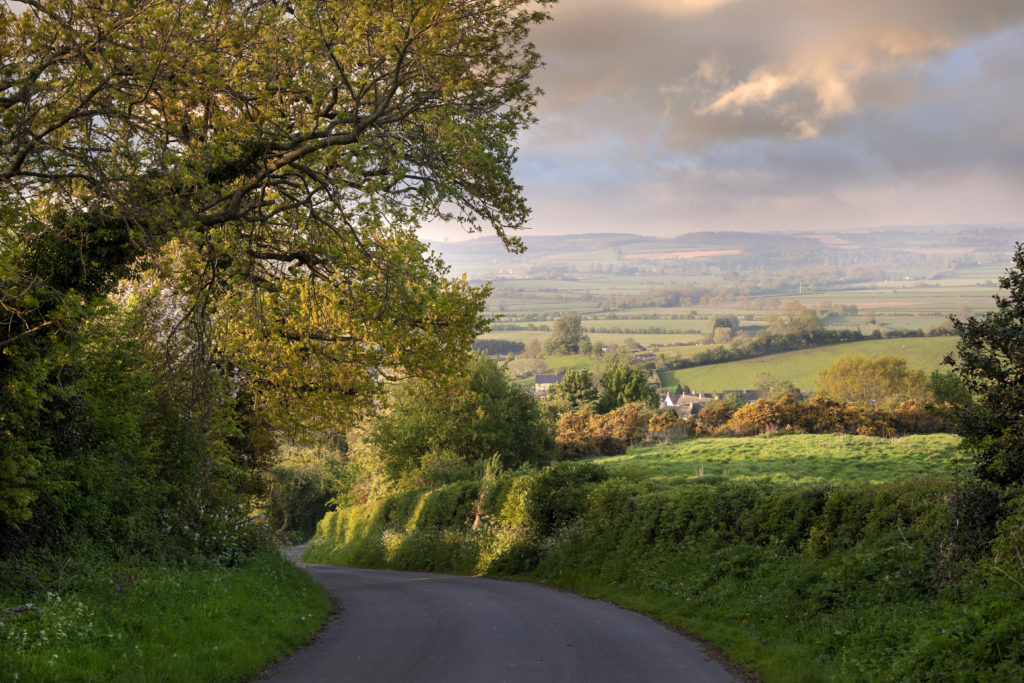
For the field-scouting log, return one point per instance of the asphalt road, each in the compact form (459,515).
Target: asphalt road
(406,626)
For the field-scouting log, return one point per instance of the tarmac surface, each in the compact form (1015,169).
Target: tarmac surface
(433,628)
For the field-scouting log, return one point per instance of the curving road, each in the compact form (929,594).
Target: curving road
(405,626)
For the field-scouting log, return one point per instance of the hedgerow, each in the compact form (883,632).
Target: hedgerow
(834,581)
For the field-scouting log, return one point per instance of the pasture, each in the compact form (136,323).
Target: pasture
(802,367)
(790,459)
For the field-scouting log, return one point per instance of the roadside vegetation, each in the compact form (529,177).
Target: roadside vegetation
(799,582)
(100,620)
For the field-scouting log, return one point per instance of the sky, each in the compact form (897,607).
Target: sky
(662,117)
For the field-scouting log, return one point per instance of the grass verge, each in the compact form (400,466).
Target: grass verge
(151,623)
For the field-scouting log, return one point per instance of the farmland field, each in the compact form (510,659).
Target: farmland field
(791,458)
(802,367)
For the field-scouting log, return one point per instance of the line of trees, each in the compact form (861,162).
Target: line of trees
(782,336)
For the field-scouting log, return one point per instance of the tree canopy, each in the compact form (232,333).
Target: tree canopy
(566,335)
(238,184)
(273,159)
(473,418)
(989,361)
(622,384)
(576,389)
(879,383)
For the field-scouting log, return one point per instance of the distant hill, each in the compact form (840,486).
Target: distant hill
(484,257)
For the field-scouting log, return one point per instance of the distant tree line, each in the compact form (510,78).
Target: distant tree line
(638,330)
(769,342)
(498,347)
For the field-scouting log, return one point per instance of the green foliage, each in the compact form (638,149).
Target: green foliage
(725,320)
(183,275)
(834,581)
(239,208)
(129,622)
(439,529)
(557,494)
(622,384)
(877,383)
(301,484)
(947,389)
(566,335)
(132,451)
(428,429)
(576,390)
(989,362)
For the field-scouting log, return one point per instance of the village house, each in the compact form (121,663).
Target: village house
(688,405)
(542,383)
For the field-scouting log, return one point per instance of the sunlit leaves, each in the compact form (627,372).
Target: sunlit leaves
(270,162)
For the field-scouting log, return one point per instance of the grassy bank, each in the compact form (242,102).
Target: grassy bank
(812,582)
(797,459)
(150,623)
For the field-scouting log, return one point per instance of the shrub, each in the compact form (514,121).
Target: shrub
(584,433)
(822,415)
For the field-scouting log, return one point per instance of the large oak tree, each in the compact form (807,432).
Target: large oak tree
(258,168)
(274,158)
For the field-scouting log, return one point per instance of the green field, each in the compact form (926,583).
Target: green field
(792,458)
(802,367)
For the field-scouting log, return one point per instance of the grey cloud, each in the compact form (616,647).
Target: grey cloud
(879,108)
(821,57)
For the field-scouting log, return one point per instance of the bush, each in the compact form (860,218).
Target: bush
(823,416)
(585,433)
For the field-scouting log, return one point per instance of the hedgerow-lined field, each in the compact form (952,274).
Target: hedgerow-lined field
(792,458)
(802,367)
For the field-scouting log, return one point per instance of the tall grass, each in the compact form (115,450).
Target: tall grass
(149,623)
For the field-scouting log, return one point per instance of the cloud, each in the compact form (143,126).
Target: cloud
(799,64)
(681,8)
(777,113)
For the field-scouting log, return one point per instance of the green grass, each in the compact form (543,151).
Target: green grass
(792,458)
(575,362)
(151,623)
(802,367)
